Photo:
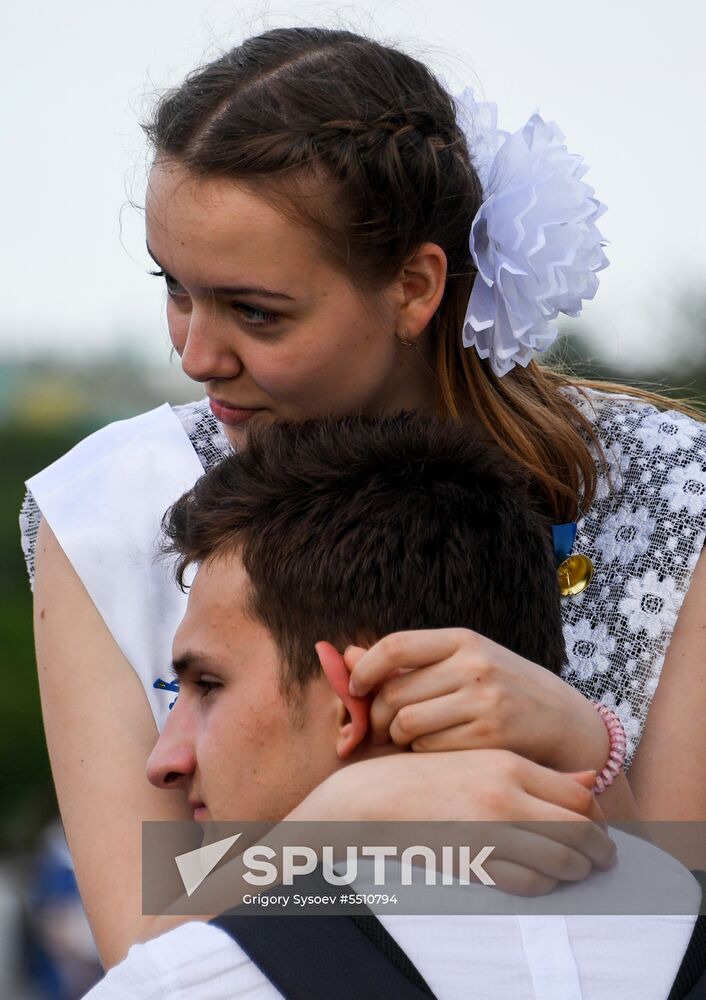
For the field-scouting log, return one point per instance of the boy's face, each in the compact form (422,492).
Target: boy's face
(233,742)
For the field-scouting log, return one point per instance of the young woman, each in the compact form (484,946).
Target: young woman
(309,209)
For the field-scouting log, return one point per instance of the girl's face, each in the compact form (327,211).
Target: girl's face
(259,316)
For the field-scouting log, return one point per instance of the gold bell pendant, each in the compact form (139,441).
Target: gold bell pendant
(574,574)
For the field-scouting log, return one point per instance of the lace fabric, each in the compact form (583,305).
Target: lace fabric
(644,533)
(30,519)
(204,431)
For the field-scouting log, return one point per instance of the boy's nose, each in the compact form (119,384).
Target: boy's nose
(172,761)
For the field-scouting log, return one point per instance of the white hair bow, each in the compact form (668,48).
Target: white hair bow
(534,239)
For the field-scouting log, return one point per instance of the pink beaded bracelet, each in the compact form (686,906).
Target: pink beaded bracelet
(618,746)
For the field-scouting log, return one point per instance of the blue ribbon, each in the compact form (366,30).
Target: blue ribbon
(563,537)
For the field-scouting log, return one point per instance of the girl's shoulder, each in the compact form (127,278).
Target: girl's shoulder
(116,460)
(652,456)
(644,533)
(630,423)
(104,500)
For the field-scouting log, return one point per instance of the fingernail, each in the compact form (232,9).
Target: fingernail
(352,689)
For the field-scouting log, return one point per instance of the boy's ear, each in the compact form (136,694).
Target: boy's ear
(354,721)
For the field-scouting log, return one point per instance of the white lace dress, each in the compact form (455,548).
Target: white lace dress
(644,535)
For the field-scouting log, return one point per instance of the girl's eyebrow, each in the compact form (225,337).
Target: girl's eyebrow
(235,289)
(251,290)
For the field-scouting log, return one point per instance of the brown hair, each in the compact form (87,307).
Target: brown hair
(361,142)
(353,528)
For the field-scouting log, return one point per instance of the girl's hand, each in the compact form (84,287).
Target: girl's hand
(452,689)
(479,785)
(460,786)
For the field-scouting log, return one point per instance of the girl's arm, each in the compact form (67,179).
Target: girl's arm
(99,731)
(564,841)
(668,775)
(452,689)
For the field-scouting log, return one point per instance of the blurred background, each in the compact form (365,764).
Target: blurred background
(82,335)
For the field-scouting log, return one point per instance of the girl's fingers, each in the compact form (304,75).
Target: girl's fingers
(403,697)
(557,859)
(563,805)
(588,780)
(571,792)
(455,737)
(407,651)
(560,789)
(518,880)
(353,655)
(572,830)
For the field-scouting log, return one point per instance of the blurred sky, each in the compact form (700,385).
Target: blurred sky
(624,79)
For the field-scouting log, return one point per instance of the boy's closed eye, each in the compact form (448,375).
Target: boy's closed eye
(207,686)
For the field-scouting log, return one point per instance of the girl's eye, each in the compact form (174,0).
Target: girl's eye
(249,314)
(173,286)
(253,316)
(207,687)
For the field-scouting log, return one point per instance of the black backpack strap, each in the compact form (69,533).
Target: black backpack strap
(324,956)
(317,958)
(690,982)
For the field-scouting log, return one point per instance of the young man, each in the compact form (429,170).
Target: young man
(328,536)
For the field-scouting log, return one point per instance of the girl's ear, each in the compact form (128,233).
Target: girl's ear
(422,282)
(353,725)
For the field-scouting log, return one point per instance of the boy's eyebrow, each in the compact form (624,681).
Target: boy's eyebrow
(192,660)
(235,289)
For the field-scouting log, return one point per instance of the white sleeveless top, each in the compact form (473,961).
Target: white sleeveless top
(644,533)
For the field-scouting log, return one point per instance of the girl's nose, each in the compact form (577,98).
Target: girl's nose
(209,350)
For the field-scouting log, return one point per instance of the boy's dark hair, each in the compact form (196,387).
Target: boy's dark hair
(353,528)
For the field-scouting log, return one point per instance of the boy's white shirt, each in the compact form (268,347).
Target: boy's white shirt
(471,957)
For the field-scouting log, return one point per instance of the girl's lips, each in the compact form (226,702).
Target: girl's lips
(233,416)
(200,813)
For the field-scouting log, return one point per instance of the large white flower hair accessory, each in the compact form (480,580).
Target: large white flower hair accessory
(534,239)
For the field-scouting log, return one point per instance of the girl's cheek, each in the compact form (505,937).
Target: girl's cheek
(281,375)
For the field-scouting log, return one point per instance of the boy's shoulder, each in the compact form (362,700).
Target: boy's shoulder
(196,959)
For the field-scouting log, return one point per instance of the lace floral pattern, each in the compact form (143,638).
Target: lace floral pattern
(205,434)
(30,519)
(644,533)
